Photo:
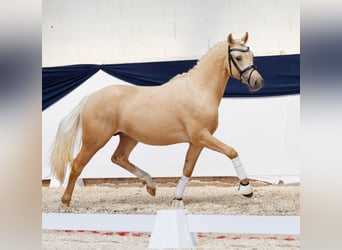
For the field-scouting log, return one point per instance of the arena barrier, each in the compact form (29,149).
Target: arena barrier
(173,228)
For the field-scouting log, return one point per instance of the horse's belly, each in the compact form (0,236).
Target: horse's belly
(159,139)
(155,131)
(157,135)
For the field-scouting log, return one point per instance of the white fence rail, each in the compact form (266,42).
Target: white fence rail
(197,223)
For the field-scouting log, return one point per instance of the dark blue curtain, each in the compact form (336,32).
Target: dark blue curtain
(281,75)
(59,81)
(150,73)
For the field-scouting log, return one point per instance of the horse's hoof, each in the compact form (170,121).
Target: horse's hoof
(151,190)
(246,190)
(66,202)
(177,203)
(248,195)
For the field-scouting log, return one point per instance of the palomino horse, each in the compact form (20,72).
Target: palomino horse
(185,109)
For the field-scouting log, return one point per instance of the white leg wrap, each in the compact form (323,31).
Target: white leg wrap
(245,190)
(240,171)
(183,181)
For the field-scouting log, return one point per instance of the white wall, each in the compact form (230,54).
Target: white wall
(264,131)
(104,31)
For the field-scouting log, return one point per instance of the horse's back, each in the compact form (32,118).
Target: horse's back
(106,99)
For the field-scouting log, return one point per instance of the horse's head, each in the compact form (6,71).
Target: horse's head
(240,63)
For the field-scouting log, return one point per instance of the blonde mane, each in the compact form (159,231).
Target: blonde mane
(208,54)
(201,59)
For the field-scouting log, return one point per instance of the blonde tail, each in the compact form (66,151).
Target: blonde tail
(67,137)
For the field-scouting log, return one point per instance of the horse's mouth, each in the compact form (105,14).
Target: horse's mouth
(254,89)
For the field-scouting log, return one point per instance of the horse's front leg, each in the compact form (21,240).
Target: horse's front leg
(206,139)
(189,164)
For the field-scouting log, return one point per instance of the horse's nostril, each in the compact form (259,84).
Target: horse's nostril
(261,83)
(258,84)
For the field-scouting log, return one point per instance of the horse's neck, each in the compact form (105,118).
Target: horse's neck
(210,73)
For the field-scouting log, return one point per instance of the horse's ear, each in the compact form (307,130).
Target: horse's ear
(245,38)
(230,38)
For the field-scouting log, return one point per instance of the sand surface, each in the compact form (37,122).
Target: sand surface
(199,198)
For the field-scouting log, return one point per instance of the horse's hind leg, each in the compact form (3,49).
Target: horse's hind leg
(78,164)
(120,157)
(95,136)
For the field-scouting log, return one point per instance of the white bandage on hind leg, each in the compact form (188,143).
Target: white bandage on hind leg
(183,181)
(240,171)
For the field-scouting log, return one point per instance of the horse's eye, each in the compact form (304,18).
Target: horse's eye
(238,58)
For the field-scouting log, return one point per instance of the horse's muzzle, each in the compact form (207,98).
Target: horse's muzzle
(256,85)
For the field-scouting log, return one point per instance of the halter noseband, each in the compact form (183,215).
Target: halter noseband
(241,72)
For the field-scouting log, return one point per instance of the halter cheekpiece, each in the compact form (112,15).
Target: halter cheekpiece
(241,72)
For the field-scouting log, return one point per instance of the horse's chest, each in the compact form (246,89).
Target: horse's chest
(204,117)
(210,121)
